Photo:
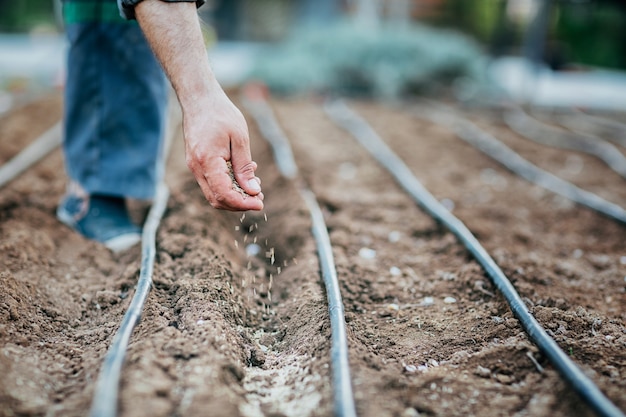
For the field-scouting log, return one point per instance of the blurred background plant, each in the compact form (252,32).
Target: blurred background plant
(585,32)
(25,16)
(386,47)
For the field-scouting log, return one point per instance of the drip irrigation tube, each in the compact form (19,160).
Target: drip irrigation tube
(344,401)
(537,131)
(30,155)
(271,131)
(105,399)
(615,130)
(492,147)
(341,114)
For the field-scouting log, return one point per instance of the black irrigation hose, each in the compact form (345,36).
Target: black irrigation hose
(367,137)
(491,146)
(531,128)
(30,155)
(271,131)
(344,400)
(105,398)
(614,130)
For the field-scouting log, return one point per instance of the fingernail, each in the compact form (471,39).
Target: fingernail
(254,185)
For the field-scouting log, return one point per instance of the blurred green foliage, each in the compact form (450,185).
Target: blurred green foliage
(478,17)
(589,32)
(593,34)
(25,15)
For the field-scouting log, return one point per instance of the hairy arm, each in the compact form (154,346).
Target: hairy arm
(214,129)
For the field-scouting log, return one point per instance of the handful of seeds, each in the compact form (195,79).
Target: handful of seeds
(236,185)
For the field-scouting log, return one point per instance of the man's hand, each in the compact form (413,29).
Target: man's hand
(215,134)
(214,129)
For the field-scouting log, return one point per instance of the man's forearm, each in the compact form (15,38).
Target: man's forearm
(173,31)
(214,129)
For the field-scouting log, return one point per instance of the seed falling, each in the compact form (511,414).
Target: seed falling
(271,255)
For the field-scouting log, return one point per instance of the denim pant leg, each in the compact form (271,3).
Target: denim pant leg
(115,110)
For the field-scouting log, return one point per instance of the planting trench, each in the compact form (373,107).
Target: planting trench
(428,335)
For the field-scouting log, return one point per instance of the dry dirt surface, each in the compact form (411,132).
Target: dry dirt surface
(237,323)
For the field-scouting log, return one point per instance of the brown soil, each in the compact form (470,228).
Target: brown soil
(226,334)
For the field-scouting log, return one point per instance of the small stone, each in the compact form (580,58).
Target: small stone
(410,368)
(395,271)
(505,379)
(395,236)
(449,300)
(482,372)
(427,301)
(410,412)
(367,253)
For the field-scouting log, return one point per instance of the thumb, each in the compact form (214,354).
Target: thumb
(244,174)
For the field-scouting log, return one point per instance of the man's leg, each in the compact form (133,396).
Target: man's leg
(115,102)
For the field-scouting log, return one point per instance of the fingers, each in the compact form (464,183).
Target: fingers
(219,190)
(244,174)
(243,166)
(209,144)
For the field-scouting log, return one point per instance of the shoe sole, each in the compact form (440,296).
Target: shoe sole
(116,244)
(123,242)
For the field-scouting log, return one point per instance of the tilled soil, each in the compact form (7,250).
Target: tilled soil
(227,331)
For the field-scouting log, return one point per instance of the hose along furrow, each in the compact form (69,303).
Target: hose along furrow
(367,137)
(579,120)
(105,398)
(537,131)
(30,155)
(271,131)
(492,147)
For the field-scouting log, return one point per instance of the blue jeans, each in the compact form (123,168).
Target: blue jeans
(115,110)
